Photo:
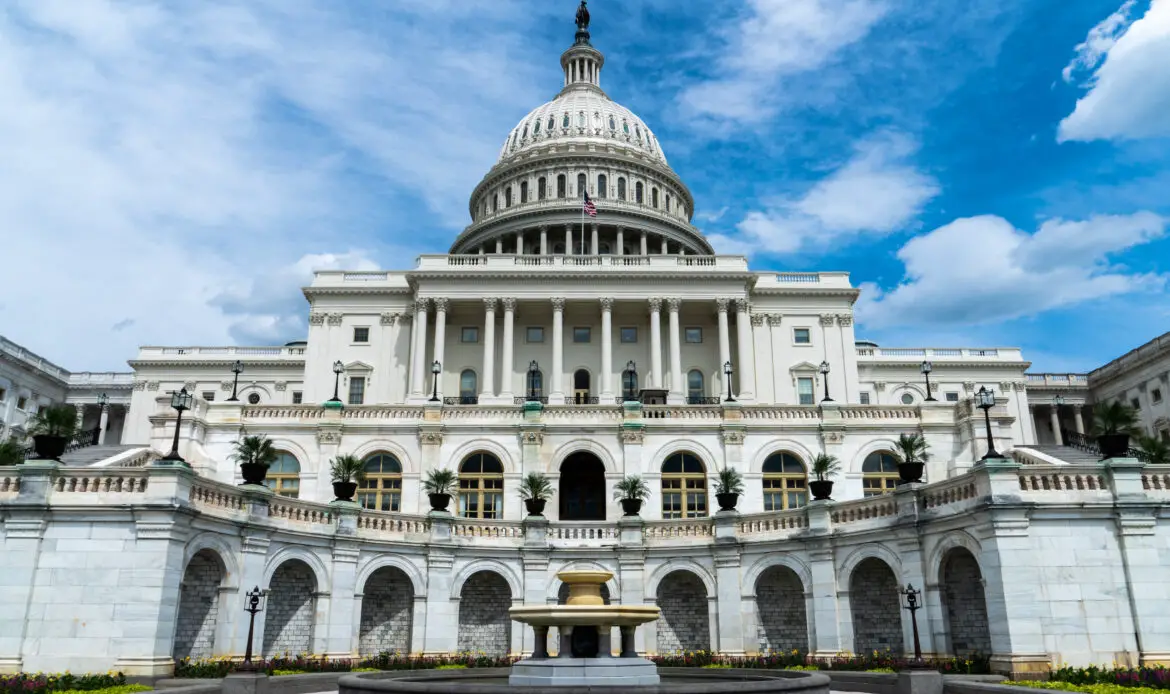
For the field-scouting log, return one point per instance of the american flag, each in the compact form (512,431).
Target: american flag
(590,208)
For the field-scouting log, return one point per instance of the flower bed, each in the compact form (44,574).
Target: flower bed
(1143,677)
(1087,688)
(67,683)
(301,664)
(875,662)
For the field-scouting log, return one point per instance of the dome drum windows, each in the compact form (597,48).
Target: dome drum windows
(654,198)
(508,197)
(785,482)
(638,192)
(684,487)
(561,186)
(552,122)
(621,191)
(541,188)
(381,490)
(612,123)
(581,184)
(602,186)
(481,487)
(523,192)
(565,120)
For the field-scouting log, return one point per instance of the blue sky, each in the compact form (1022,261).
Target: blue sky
(992,173)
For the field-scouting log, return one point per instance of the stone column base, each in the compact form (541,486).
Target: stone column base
(145,666)
(1147,659)
(1022,666)
(245,683)
(917,682)
(11,665)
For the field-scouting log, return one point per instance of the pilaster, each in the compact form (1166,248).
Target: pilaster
(826,639)
(442,611)
(729,616)
(341,638)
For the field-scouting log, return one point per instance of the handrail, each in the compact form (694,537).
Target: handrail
(1089,444)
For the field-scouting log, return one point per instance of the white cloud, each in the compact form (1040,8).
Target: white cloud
(982,269)
(1129,90)
(876,192)
(777,38)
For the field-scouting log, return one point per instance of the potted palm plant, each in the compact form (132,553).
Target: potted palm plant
(535,489)
(347,471)
(1113,423)
(824,466)
(11,452)
(51,429)
(254,454)
(1156,451)
(438,485)
(728,488)
(631,491)
(912,456)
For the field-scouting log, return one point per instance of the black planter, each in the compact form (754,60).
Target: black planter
(253,473)
(344,491)
(821,490)
(1111,445)
(439,501)
(535,506)
(49,447)
(910,472)
(727,501)
(630,507)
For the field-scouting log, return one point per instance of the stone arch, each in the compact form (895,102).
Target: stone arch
(676,565)
(581,489)
(491,565)
(875,607)
(216,544)
(198,612)
(387,609)
(884,444)
(869,551)
(320,572)
(770,561)
(782,445)
(266,397)
(780,606)
(289,609)
(684,623)
(484,599)
(964,602)
(287,445)
(951,540)
(485,446)
(384,445)
(581,446)
(710,462)
(417,580)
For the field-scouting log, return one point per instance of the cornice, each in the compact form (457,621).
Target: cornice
(592,277)
(1024,365)
(851,292)
(311,292)
(138,363)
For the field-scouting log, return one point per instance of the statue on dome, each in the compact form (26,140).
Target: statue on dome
(582,17)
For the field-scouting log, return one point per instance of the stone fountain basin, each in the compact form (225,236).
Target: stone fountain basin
(584,615)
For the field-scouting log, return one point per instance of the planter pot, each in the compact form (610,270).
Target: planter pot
(910,472)
(344,491)
(821,489)
(49,447)
(253,473)
(1111,445)
(439,501)
(727,501)
(630,507)
(535,506)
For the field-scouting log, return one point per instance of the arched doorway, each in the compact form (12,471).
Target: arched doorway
(291,605)
(581,387)
(387,606)
(582,488)
(781,611)
(483,614)
(199,606)
(966,605)
(683,624)
(876,608)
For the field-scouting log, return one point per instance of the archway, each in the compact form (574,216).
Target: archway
(199,606)
(683,624)
(581,387)
(288,623)
(781,610)
(582,488)
(966,604)
(483,614)
(387,606)
(876,608)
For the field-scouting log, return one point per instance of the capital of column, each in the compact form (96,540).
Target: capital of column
(440,304)
(722,304)
(489,304)
(509,304)
(606,303)
(655,305)
(743,305)
(673,304)
(422,305)
(543,228)
(558,303)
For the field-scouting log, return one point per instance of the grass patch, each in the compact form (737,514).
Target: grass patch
(803,668)
(118,689)
(365,669)
(716,666)
(887,670)
(1087,688)
(452,666)
(282,673)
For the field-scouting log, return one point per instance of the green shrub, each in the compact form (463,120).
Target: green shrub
(452,666)
(120,689)
(1130,678)
(41,683)
(1087,688)
(717,666)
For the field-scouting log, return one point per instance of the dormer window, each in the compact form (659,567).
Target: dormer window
(565,121)
(536,127)
(625,127)
(552,121)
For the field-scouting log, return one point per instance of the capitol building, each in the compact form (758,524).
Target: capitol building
(588,348)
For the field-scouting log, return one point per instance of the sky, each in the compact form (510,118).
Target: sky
(991,173)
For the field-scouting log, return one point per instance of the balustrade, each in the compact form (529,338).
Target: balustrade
(864,509)
(671,529)
(288,509)
(1156,478)
(773,523)
(379,522)
(123,481)
(217,497)
(951,491)
(1068,478)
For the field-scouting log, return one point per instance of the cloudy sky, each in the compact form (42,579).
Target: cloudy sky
(992,172)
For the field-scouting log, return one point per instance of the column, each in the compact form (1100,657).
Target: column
(1079,419)
(104,420)
(519,243)
(645,245)
(665,246)
(420,346)
(621,246)
(593,241)
(747,357)
(606,350)
(1054,418)
(675,349)
(655,337)
(558,392)
(544,240)
(724,343)
(79,411)
(568,239)
(487,388)
(440,339)
(506,365)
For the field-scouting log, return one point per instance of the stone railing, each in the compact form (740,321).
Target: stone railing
(470,527)
(864,509)
(582,412)
(221,352)
(86,480)
(1069,478)
(381,412)
(779,522)
(787,412)
(593,533)
(941,353)
(215,497)
(952,491)
(869,412)
(689,412)
(296,511)
(508,262)
(658,530)
(280,411)
(382,523)
(9,483)
(482,412)
(1156,478)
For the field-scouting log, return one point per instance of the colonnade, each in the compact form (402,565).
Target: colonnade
(575,240)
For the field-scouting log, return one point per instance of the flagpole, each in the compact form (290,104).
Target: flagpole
(583,223)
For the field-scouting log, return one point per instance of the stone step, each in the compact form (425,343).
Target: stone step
(1068,454)
(84,457)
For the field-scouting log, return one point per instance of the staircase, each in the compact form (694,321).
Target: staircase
(84,457)
(1073,456)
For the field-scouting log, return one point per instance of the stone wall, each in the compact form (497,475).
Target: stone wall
(483,614)
(288,624)
(387,604)
(965,603)
(198,607)
(876,607)
(684,624)
(781,610)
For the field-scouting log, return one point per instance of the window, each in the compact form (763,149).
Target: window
(580,119)
(468,387)
(629,335)
(208,395)
(534,334)
(551,122)
(804,390)
(621,189)
(629,384)
(785,482)
(581,185)
(495,202)
(3,393)
(298,397)
(561,186)
(581,387)
(684,487)
(536,127)
(21,402)
(524,134)
(541,188)
(879,473)
(1135,404)
(952,397)
(865,398)
(361,334)
(581,335)
(523,192)
(654,197)
(638,192)
(481,487)
(801,336)
(470,334)
(565,120)
(1156,394)
(693,336)
(694,386)
(536,384)
(254,398)
(381,490)
(907,398)
(284,476)
(612,123)
(508,196)
(668,202)
(626,127)
(602,186)
(357,390)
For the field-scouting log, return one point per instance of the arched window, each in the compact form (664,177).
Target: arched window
(523,192)
(612,123)
(668,202)
(481,486)
(581,387)
(541,188)
(638,192)
(581,185)
(654,197)
(536,378)
(879,473)
(637,131)
(626,127)
(565,120)
(561,186)
(695,393)
(551,122)
(284,475)
(602,186)
(381,490)
(508,196)
(621,188)
(536,128)
(684,487)
(524,135)
(581,119)
(785,482)
(629,384)
(495,202)
(468,387)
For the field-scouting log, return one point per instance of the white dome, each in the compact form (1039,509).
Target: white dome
(593,118)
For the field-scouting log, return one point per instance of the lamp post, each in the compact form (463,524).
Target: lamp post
(629,379)
(533,370)
(338,368)
(254,597)
(728,369)
(237,368)
(927,367)
(103,400)
(985,400)
(825,377)
(436,369)
(180,400)
(911,596)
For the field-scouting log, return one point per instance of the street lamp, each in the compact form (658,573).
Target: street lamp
(927,367)
(180,400)
(237,368)
(728,369)
(985,400)
(825,377)
(533,374)
(911,596)
(436,369)
(338,368)
(254,597)
(103,400)
(629,381)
